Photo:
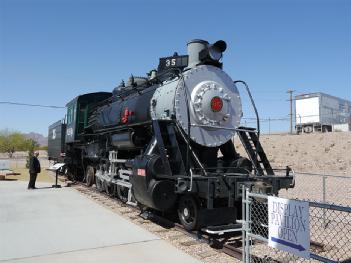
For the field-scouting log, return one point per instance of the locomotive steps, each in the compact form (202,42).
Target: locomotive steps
(328,153)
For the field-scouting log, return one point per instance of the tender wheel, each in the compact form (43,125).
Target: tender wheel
(122,193)
(188,212)
(325,129)
(90,176)
(307,129)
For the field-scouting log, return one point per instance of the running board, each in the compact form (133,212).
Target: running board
(220,230)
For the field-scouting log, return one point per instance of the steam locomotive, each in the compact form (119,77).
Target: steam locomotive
(165,141)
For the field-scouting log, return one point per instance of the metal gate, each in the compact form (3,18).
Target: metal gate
(330,232)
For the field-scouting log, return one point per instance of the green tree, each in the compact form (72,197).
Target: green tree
(11,141)
(32,145)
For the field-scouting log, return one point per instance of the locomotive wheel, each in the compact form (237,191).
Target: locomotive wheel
(70,174)
(122,193)
(108,188)
(99,185)
(245,164)
(89,176)
(188,212)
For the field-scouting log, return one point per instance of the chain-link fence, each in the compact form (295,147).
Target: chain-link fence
(325,188)
(330,232)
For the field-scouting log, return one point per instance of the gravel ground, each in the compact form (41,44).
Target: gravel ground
(322,153)
(328,153)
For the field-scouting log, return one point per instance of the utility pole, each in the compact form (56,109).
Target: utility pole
(290,91)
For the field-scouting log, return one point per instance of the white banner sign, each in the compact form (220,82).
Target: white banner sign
(289,226)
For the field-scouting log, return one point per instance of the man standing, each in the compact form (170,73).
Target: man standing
(34,169)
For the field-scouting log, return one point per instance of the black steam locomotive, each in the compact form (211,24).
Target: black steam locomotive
(165,141)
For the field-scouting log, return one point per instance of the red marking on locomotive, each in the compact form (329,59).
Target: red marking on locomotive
(141,172)
(216,104)
(126,114)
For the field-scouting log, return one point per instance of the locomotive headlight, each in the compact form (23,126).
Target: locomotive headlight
(213,53)
(216,50)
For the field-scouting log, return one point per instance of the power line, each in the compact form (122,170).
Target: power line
(31,105)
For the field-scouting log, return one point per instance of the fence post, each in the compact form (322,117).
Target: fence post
(247,226)
(243,224)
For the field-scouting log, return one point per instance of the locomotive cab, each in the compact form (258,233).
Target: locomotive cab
(78,112)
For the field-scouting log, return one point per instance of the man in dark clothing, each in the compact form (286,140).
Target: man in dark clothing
(34,169)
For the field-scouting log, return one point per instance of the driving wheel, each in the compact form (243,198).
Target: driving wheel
(122,193)
(90,176)
(98,183)
(188,212)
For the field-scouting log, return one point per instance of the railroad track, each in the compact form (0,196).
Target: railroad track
(206,248)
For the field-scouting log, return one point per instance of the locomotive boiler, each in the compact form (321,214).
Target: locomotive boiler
(165,141)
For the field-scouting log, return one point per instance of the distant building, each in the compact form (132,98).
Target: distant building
(321,112)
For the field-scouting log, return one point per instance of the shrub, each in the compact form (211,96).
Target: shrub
(11,141)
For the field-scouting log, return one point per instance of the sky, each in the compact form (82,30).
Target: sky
(54,50)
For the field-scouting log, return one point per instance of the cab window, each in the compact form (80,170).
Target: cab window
(69,114)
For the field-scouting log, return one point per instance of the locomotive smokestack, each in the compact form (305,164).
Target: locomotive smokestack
(195,46)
